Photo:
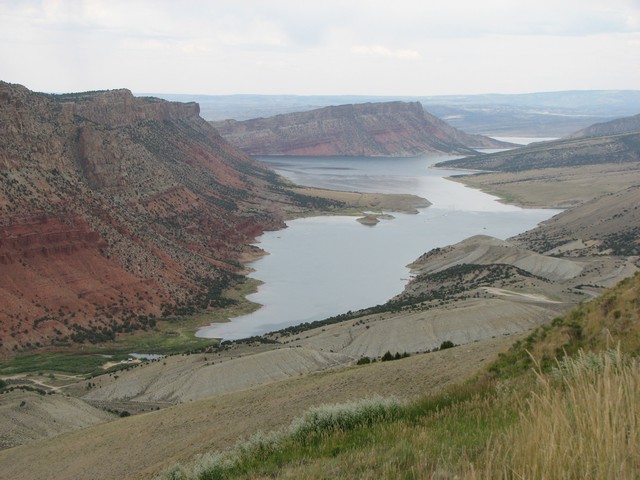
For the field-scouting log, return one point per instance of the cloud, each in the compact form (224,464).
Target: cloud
(288,46)
(382,51)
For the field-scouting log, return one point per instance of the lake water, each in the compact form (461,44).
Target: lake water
(323,266)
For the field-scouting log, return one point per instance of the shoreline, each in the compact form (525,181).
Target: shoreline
(364,200)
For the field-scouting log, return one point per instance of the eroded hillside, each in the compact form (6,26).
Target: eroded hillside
(116,210)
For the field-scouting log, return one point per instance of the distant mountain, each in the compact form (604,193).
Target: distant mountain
(622,148)
(393,129)
(544,114)
(116,210)
(619,125)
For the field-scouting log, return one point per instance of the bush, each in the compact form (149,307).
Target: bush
(447,344)
(346,416)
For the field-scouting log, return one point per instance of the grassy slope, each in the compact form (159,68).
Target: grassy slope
(140,446)
(526,416)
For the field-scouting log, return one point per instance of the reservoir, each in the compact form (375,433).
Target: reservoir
(324,266)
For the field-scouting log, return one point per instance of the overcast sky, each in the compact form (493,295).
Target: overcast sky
(327,47)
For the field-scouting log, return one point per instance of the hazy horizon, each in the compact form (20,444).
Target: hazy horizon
(327,48)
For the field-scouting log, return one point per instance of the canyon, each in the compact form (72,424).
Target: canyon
(116,211)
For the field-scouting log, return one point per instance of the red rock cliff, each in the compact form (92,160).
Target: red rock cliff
(115,210)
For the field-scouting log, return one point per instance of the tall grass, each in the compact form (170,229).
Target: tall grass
(584,422)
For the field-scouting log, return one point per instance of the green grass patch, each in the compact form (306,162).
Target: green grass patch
(71,363)
(171,336)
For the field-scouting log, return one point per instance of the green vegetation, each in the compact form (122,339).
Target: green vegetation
(623,243)
(74,363)
(560,404)
(170,336)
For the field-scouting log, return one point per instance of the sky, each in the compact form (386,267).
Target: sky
(328,47)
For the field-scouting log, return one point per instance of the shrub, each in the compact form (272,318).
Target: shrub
(387,356)
(447,344)
(315,422)
(346,416)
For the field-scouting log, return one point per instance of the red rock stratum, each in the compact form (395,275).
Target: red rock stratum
(116,209)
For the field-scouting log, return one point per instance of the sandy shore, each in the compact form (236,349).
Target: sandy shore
(357,203)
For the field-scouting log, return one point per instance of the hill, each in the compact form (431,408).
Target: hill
(429,432)
(372,129)
(609,149)
(562,403)
(597,177)
(542,114)
(142,446)
(481,294)
(608,224)
(619,125)
(116,211)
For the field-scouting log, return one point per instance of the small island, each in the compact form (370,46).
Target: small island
(372,219)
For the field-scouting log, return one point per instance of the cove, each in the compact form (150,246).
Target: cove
(324,266)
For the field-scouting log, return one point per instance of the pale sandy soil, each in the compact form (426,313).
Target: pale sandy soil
(370,201)
(465,322)
(140,446)
(28,416)
(184,378)
(486,250)
(529,296)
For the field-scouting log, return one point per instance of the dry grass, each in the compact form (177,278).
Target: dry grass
(582,420)
(583,423)
(555,187)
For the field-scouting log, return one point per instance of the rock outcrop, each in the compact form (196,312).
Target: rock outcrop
(117,210)
(393,129)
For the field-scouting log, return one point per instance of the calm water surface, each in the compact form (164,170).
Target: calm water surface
(323,266)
